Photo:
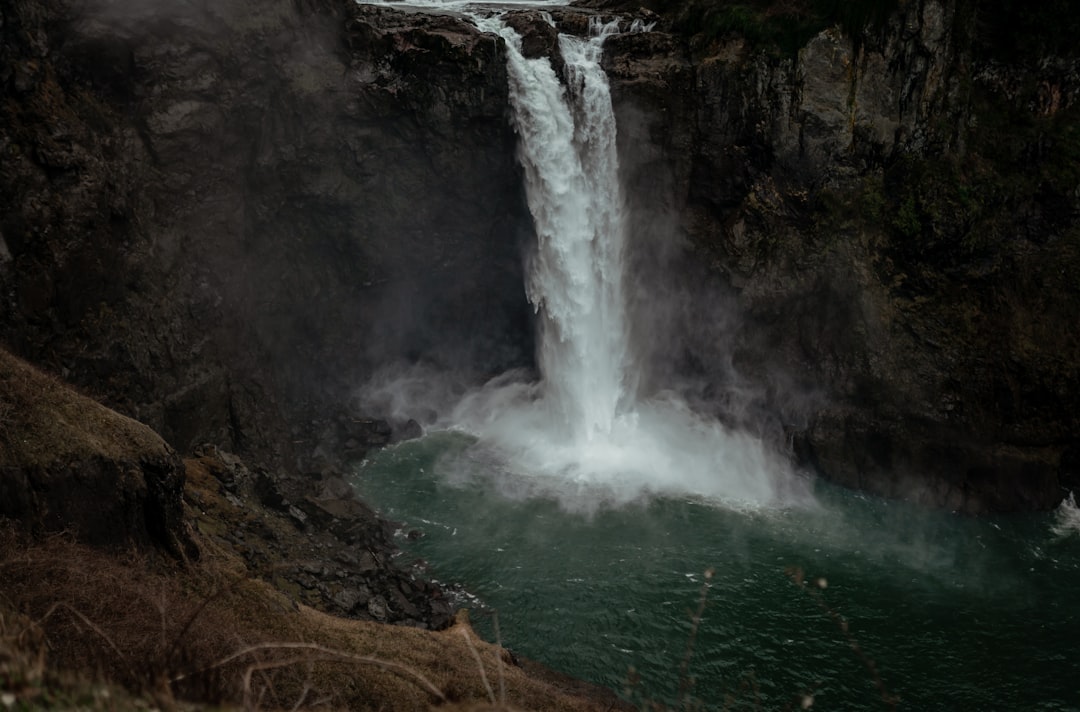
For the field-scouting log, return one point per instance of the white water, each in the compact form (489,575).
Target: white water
(583,428)
(463,6)
(1067,518)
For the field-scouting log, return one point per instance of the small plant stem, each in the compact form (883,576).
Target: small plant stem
(479,664)
(695,622)
(323,654)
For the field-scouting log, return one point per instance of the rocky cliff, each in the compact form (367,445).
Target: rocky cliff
(92,616)
(220,218)
(892,216)
(859,238)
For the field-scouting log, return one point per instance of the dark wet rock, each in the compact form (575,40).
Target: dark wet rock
(573,21)
(367,563)
(370,432)
(161,166)
(377,609)
(299,517)
(332,485)
(539,37)
(539,42)
(403,606)
(349,599)
(268,490)
(334,554)
(209,220)
(1069,473)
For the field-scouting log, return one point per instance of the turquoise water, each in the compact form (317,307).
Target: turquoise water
(956,613)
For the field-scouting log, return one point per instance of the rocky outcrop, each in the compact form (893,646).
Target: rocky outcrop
(69,464)
(218,219)
(320,545)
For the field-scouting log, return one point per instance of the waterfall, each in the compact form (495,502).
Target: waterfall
(567,149)
(582,426)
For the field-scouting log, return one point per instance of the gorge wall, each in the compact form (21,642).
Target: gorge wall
(894,216)
(221,218)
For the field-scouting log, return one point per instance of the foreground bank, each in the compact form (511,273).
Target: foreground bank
(129,573)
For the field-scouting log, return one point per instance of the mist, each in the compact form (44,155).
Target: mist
(624,407)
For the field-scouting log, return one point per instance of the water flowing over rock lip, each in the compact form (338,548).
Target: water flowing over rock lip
(465,6)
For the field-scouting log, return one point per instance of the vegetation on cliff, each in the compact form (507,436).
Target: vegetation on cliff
(59,450)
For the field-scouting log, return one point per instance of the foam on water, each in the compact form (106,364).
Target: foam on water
(656,447)
(1067,518)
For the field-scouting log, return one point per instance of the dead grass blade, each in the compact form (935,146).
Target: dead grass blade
(317,653)
(479,665)
(499,660)
(89,624)
(798,577)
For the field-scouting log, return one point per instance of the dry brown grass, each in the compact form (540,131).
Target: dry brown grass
(209,633)
(47,421)
(27,682)
(112,617)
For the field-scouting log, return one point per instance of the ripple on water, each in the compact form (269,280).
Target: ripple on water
(956,612)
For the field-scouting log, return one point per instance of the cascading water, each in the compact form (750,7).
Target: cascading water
(583,425)
(575,275)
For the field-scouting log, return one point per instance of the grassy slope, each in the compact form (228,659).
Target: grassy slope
(163,632)
(42,421)
(208,632)
(95,629)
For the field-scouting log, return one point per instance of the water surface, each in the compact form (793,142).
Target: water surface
(955,612)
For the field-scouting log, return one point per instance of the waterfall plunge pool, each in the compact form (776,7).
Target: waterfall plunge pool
(956,612)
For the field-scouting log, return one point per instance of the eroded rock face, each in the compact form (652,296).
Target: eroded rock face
(220,217)
(879,284)
(322,546)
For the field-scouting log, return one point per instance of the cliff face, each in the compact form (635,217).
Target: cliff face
(218,216)
(222,218)
(894,218)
